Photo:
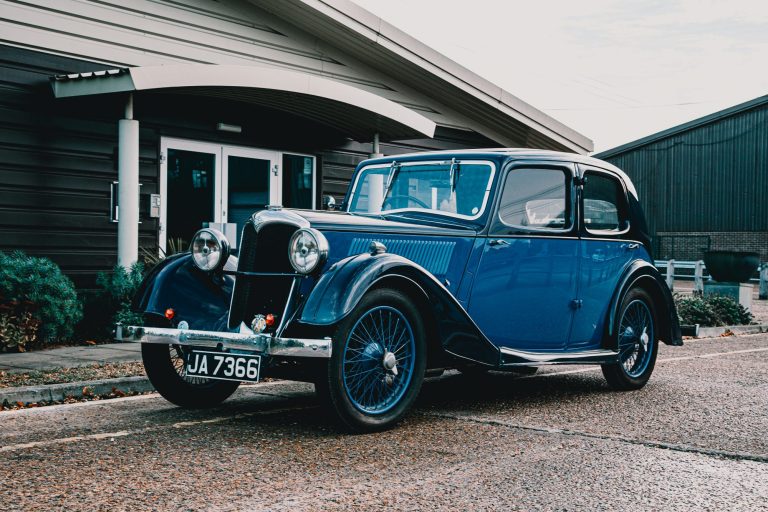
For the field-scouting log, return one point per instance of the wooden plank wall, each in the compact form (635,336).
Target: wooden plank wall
(58,157)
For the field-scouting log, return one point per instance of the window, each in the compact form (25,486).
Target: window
(535,199)
(298,176)
(605,205)
(459,188)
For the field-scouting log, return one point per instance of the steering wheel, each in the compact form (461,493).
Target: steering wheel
(406,196)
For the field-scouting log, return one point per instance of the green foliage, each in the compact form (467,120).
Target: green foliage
(711,311)
(152,257)
(111,303)
(40,301)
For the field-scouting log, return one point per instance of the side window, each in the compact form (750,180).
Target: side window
(534,199)
(605,205)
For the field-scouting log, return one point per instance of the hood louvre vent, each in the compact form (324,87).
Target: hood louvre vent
(433,255)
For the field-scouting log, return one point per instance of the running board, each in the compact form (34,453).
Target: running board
(512,357)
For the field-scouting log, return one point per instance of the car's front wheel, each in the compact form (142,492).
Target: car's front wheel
(378,362)
(165,367)
(636,341)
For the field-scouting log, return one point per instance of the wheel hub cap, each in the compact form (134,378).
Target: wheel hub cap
(390,364)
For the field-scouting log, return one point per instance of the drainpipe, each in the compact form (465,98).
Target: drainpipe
(128,188)
(375,147)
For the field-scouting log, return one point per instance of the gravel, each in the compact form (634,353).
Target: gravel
(693,439)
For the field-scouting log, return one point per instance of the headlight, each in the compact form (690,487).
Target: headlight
(210,249)
(307,250)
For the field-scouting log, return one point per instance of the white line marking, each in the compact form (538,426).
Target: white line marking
(124,433)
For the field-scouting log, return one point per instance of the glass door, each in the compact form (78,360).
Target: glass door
(250,182)
(190,189)
(202,182)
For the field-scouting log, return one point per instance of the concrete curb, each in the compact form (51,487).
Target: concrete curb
(51,392)
(714,332)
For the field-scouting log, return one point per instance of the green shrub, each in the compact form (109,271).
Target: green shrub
(38,297)
(111,302)
(711,311)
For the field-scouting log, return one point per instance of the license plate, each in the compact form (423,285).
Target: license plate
(223,366)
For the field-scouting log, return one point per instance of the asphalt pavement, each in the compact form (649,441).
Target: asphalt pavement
(693,439)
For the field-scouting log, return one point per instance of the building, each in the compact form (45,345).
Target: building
(126,124)
(704,184)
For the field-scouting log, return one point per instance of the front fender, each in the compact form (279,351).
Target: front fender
(200,298)
(342,287)
(644,274)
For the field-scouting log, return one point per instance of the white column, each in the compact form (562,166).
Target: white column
(128,188)
(375,151)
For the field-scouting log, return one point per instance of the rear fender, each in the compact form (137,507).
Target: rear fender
(197,297)
(642,274)
(342,287)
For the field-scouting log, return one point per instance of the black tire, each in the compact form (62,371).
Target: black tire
(164,364)
(629,375)
(337,387)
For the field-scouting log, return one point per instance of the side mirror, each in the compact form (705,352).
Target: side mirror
(329,203)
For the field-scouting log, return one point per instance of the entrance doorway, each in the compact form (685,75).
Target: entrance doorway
(203,182)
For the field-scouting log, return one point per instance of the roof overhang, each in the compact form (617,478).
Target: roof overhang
(358,114)
(495,112)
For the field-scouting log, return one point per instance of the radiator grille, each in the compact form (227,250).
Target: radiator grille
(262,251)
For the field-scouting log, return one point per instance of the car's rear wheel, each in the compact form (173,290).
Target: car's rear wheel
(636,341)
(378,362)
(166,369)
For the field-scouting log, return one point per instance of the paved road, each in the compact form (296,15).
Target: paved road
(694,439)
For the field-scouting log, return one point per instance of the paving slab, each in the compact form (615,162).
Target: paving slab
(70,357)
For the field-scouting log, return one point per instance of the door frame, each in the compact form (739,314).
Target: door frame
(221,179)
(275,175)
(167,143)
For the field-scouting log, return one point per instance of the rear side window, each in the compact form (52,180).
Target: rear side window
(535,199)
(605,204)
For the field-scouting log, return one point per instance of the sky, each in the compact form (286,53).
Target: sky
(612,70)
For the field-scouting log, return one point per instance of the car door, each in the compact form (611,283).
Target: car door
(605,252)
(525,285)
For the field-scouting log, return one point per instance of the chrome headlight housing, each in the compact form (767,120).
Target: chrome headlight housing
(307,250)
(210,249)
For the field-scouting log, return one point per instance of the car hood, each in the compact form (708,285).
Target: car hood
(343,221)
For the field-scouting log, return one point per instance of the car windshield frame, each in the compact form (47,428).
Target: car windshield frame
(398,171)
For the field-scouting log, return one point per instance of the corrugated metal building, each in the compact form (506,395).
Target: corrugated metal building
(212,109)
(704,184)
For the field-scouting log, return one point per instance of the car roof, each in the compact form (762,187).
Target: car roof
(505,154)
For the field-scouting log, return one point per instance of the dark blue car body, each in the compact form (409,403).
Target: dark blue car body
(490,295)
(535,293)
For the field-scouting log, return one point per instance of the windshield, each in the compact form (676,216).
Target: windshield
(456,188)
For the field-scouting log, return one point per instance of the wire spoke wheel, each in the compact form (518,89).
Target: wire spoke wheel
(635,341)
(378,360)
(636,337)
(167,371)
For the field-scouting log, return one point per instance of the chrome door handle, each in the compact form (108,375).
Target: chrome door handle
(498,241)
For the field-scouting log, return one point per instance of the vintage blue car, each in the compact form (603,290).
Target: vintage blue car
(501,259)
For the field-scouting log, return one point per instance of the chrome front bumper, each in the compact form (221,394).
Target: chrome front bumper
(258,343)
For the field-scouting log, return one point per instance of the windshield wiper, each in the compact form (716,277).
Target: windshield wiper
(454,174)
(393,170)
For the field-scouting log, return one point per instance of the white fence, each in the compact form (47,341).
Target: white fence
(697,272)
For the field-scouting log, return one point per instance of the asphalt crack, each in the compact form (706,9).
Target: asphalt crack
(722,454)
